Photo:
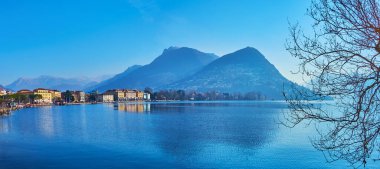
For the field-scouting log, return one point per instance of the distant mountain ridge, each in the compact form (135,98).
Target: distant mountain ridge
(51,82)
(172,65)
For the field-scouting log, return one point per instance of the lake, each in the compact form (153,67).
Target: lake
(157,135)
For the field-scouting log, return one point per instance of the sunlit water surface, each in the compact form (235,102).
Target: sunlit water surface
(157,135)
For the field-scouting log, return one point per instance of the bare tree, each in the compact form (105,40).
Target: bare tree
(340,59)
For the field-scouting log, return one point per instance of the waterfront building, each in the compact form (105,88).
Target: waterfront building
(106,98)
(130,94)
(46,95)
(2,92)
(146,96)
(25,92)
(56,94)
(139,95)
(74,96)
(118,95)
(79,96)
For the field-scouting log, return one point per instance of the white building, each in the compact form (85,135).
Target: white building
(106,98)
(2,92)
(146,96)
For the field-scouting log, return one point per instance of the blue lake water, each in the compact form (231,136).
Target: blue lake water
(157,135)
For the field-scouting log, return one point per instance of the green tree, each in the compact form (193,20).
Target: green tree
(34,97)
(148,90)
(68,96)
(180,95)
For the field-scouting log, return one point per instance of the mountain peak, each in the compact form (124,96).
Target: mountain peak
(248,56)
(172,48)
(250,47)
(172,65)
(249,51)
(183,54)
(176,49)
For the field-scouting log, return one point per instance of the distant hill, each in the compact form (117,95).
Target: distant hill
(172,65)
(54,83)
(245,70)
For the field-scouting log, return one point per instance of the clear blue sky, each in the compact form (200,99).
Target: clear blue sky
(69,38)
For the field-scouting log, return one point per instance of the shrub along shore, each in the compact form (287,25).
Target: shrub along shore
(6,111)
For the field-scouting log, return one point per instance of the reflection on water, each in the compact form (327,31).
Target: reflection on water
(45,121)
(155,135)
(4,125)
(133,107)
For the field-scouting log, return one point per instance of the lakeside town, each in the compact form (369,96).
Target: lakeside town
(25,98)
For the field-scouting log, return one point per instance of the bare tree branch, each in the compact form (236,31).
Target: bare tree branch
(342,60)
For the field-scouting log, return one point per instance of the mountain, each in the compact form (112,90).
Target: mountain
(245,70)
(51,82)
(2,87)
(172,65)
(114,79)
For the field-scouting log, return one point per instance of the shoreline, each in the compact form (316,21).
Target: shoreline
(5,111)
